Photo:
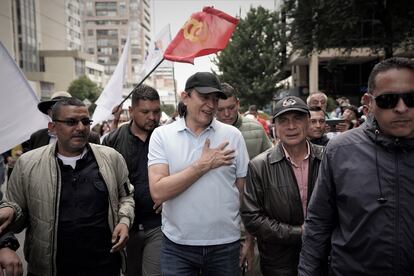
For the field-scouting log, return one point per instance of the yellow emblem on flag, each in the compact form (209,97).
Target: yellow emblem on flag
(195,31)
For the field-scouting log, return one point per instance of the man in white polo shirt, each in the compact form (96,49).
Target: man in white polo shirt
(197,167)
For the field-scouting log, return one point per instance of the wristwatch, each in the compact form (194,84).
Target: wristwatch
(10,242)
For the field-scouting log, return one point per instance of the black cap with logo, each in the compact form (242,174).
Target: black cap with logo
(205,83)
(290,103)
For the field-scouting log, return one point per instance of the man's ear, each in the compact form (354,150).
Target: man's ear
(367,98)
(184,96)
(51,126)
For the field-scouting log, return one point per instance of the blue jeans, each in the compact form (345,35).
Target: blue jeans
(188,260)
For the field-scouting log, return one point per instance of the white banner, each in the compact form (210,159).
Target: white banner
(112,94)
(18,105)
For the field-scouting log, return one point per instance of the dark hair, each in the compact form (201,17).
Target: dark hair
(181,109)
(388,64)
(317,109)
(64,102)
(353,108)
(144,92)
(229,90)
(253,108)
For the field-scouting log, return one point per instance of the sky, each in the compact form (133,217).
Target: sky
(176,14)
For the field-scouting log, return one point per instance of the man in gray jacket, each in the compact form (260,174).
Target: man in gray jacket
(74,198)
(362,209)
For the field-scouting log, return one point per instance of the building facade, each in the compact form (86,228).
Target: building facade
(106,26)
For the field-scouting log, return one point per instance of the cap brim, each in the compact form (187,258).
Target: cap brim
(46,105)
(208,90)
(291,109)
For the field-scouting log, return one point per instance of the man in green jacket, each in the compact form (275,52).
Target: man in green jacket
(73,197)
(253,133)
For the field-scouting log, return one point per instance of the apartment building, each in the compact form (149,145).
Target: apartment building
(106,26)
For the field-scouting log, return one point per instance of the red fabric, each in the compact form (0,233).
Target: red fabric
(264,124)
(205,33)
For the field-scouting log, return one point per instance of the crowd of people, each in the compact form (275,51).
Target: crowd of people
(215,191)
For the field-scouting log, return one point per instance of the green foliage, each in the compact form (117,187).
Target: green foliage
(83,88)
(254,58)
(377,24)
(168,109)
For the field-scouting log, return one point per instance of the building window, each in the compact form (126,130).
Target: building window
(90,32)
(105,9)
(122,8)
(79,67)
(46,89)
(89,8)
(42,64)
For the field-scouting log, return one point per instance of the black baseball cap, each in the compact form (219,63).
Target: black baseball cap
(290,103)
(205,83)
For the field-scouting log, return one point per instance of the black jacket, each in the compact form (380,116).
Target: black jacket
(368,235)
(135,153)
(272,209)
(322,141)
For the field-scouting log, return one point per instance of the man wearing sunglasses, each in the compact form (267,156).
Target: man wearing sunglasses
(73,197)
(43,136)
(362,210)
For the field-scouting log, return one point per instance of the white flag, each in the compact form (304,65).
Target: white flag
(18,105)
(155,53)
(112,93)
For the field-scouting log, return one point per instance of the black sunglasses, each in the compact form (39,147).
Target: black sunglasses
(74,122)
(390,100)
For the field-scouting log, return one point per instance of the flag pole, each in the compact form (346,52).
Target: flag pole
(175,85)
(141,82)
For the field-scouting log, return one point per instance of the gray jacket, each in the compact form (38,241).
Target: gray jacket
(362,206)
(34,187)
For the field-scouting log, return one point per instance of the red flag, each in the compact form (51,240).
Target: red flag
(205,33)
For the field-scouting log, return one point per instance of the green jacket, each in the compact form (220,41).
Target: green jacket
(34,187)
(254,136)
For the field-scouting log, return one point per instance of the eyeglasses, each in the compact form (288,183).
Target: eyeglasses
(390,100)
(74,122)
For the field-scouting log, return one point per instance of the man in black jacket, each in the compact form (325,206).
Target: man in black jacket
(363,204)
(278,186)
(131,140)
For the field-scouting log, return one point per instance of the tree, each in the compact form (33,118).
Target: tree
(168,109)
(254,58)
(83,88)
(378,24)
